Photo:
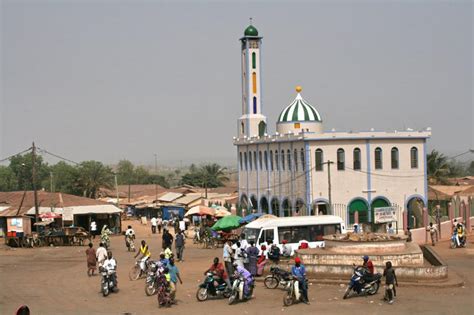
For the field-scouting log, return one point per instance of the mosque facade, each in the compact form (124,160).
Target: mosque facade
(304,170)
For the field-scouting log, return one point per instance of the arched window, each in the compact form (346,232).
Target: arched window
(250,160)
(255,160)
(242,127)
(356,158)
(318,160)
(378,158)
(277,164)
(254,83)
(288,154)
(265,160)
(394,158)
(260,160)
(254,105)
(303,162)
(254,60)
(240,160)
(282,158)
(414,157)
(271,160)
(295,159)
(245,161)
(341,160)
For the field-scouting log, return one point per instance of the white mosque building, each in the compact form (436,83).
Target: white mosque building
(304,170)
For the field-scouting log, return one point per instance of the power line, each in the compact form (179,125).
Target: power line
(57,156)
(19,153)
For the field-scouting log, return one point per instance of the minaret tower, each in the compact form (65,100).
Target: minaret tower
(252,122)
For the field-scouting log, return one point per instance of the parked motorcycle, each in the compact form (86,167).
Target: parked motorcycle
(359,286)
(454,240)
(293,293)
(108,283)
(209,288)
(237,291)
(277,277)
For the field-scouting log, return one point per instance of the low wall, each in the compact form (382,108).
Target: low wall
(421,236)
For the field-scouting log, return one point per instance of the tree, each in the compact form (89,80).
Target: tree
(8,180)
(470,169)
(125,172)
(22,167)
(66,178)
(94,175)
(207,176)
(438,168)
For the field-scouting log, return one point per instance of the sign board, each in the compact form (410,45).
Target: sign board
(385,214)
(68,215)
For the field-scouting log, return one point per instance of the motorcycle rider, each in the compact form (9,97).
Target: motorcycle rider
(459,230)
(129,236)
(217,268)
(145,252)
(299,272)
(248,279)
(104,235)
(369,266)
(111,264)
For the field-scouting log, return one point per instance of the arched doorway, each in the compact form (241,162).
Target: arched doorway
(286,206)
(244,201)
(275,207)
(253,204)
(362,207)
(415,207)
(264,205)
(262,128)
(320,207)
(378,202)
(300,208)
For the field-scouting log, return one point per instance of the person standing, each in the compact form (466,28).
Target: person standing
(239,255)
(174,277)
(159,224)
(91,260)
(167,239)
(227,257)
(390,229)
(153,225)
(179,244)
(252,254)
(262,260)
(101,254)
(93,229)
(299,271)
(433,233)
(390,281)
(408,234)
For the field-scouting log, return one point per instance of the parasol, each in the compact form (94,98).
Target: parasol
(227,223)
(50,215)
(250,218)
(200,210)
(222,212)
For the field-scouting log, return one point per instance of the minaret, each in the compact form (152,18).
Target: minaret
(252,122)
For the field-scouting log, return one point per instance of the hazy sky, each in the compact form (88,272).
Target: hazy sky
(108,80)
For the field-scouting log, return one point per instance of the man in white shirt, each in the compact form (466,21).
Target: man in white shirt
(153,225)
(93,229)
(111,264)
(129,238)
(227,255)
(101,254)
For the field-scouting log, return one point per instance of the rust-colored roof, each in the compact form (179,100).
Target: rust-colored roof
(468,192)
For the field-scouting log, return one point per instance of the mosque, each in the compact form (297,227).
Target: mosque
(303,169)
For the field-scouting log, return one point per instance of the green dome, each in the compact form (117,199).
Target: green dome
(251,31)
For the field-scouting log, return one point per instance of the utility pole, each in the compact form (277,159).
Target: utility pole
(33,180)
(329,183)
(116,190)
(51,188)
(156,177)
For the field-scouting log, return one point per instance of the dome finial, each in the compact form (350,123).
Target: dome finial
(250,20)
(298,89)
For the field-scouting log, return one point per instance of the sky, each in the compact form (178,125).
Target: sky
(112,80)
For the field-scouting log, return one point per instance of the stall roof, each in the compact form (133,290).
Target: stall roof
(169,197)
(186,200)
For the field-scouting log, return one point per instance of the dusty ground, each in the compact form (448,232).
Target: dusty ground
(54,281)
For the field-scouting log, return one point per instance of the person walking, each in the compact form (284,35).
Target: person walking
(390,282)
(159,224)
(227,257)
(433,233)
(91,260)
(174,277)
(101,254)
(167,239)
(179,244)
(252,254)
(153,225)
(93,229)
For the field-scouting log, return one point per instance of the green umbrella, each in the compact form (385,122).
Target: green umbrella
(229,222)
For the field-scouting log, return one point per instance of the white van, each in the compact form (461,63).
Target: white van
(294,230)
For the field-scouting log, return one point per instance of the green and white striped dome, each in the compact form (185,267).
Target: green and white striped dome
(299,110)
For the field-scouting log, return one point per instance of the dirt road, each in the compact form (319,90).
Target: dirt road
(53,280)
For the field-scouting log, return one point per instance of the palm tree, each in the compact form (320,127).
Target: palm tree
(212,176)
(94,175)
(438,167)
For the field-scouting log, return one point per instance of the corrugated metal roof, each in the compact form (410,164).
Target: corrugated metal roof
(169,197)
(186,200)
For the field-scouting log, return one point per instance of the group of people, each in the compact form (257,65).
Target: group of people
(389,274)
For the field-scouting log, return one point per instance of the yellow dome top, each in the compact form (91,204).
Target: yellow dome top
(298,88)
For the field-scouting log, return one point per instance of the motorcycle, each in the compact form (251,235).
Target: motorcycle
(358,285)
(151,283)
(107,283)
(277,277)
(208,288)
(454,241)
(293,293)
(164,294)
(237,291)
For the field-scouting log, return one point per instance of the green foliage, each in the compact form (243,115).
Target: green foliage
(66,178)
(94,175)
(8,180)
(438,168)
(22,166)
(208,176)
(470,169)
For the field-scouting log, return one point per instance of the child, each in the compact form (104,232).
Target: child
(390,281)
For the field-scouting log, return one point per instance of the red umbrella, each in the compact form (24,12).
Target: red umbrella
(50,215)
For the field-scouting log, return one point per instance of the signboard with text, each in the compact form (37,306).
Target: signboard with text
(385,214)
